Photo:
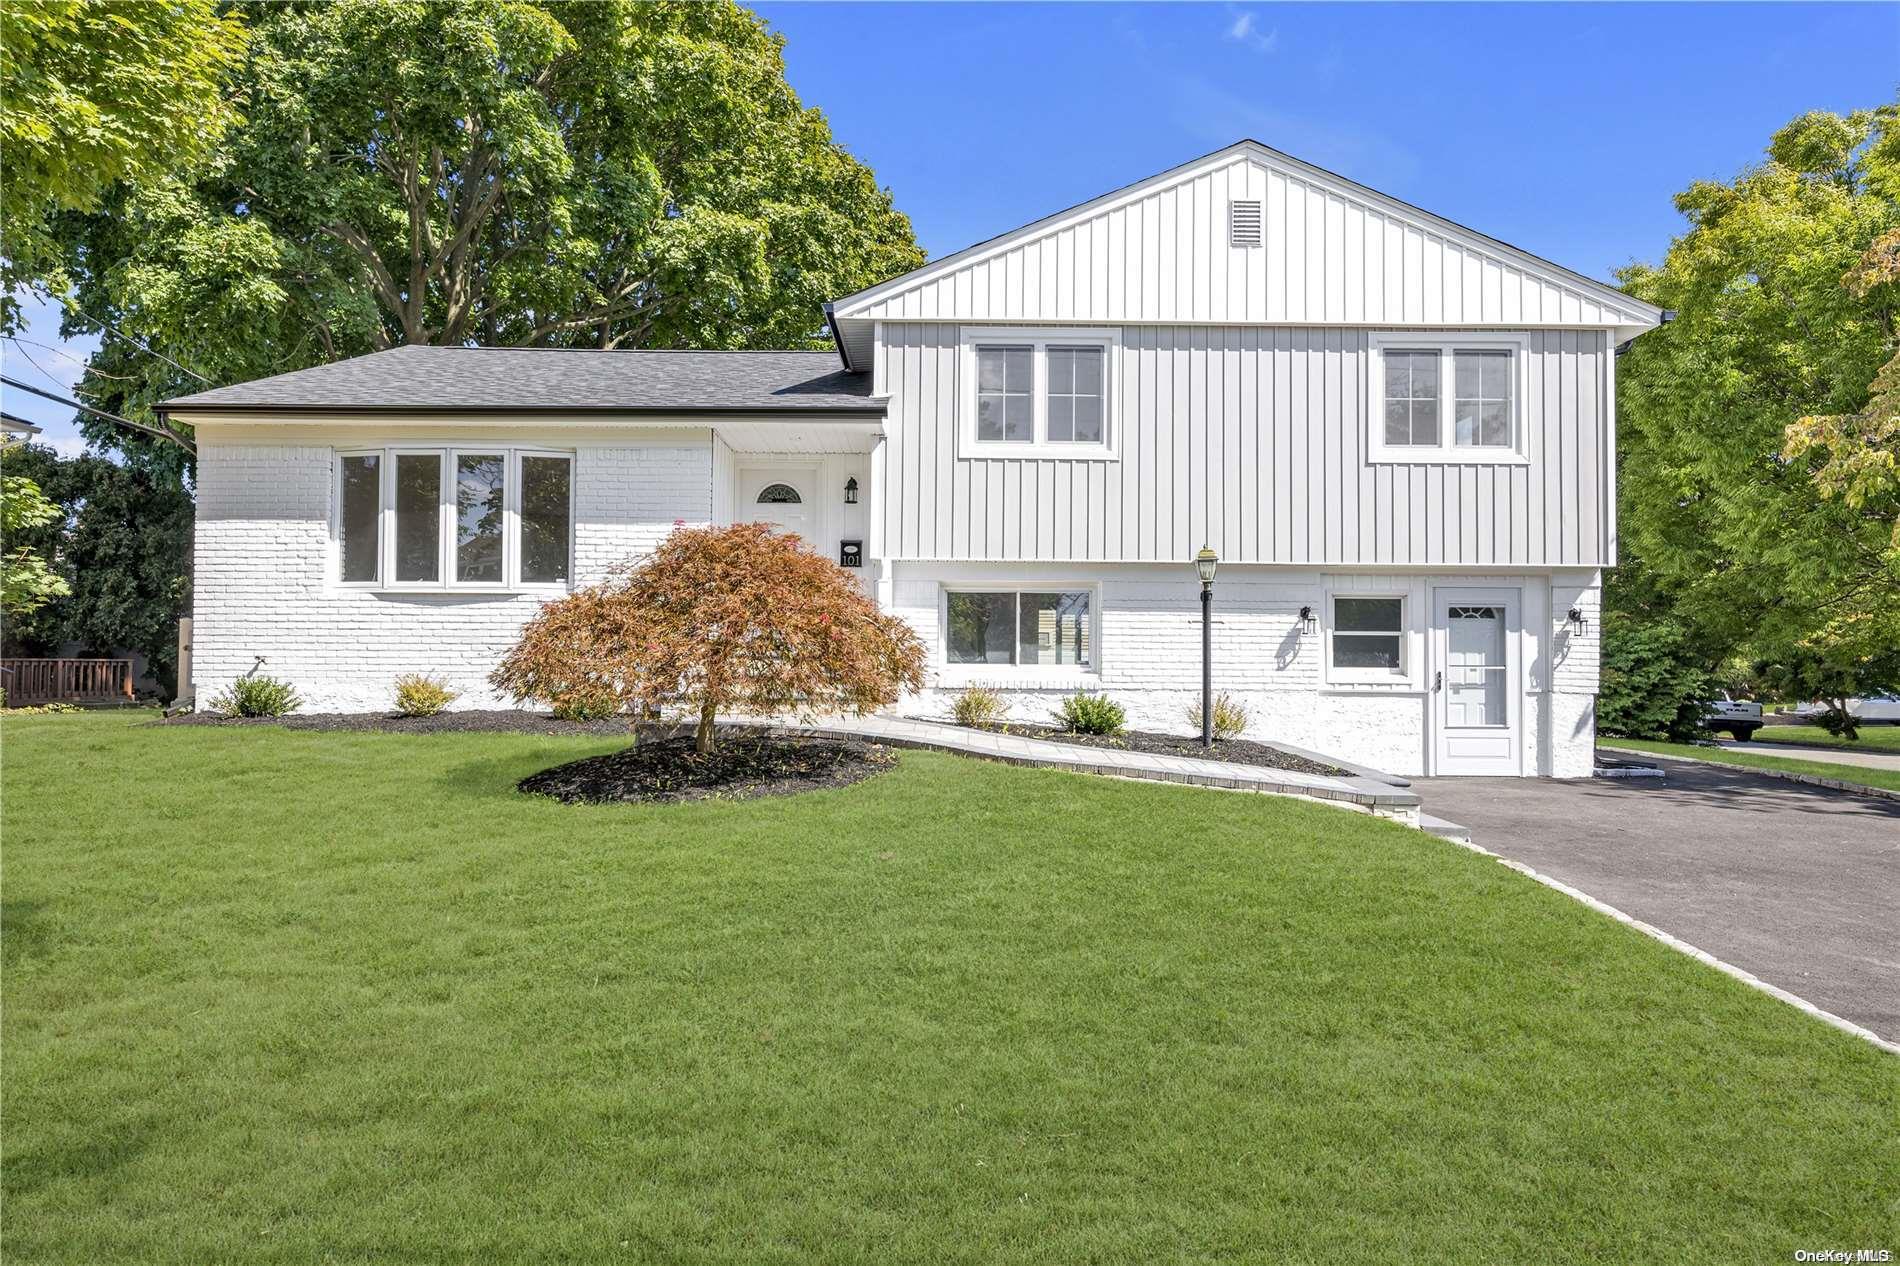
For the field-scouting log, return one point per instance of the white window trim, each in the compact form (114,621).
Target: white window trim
(1039,339)
(1019,676)
(383,491)
(1446,451)
(1408,655)
(446,455)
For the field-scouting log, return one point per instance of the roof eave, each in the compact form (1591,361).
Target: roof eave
(875,407)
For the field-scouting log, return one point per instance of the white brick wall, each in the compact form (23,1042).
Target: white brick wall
(263,566)
(1149,657)
(263,588)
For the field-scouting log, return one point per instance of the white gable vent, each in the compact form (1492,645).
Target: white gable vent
(1243,223)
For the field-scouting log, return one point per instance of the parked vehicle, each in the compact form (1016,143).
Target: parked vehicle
(1875,710)
(1879,710)
(1740,717)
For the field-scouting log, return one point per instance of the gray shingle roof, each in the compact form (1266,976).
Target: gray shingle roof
(511,379)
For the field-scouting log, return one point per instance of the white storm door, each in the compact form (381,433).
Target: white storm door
(1475,684)
(779,496)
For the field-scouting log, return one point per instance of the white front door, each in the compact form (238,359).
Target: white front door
(780,497)
(1476,691)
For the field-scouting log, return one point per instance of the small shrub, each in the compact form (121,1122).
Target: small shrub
(978,705)
(256,697)
(586,705)
(1086,712)
(43,709)
(1231,717)
(419,695)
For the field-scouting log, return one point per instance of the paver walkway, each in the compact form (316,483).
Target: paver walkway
(1374,795)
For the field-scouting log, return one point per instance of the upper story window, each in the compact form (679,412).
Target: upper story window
(1005,394)
(1047,393)
(1446,399)
(1076,394)
(449,518)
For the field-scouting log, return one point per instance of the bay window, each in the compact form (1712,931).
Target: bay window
(477,518)
(1041,629)
(1445,399)
(1043,393)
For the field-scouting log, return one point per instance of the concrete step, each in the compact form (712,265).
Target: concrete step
(1443,829)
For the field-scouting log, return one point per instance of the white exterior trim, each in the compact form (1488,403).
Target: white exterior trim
(1039,339)
(1447,450)
(1018,676)
(446,560)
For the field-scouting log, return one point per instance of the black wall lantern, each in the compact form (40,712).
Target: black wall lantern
(1307,623)
(851,491)
(1575,621)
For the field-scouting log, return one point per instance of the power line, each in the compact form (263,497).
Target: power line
(175,438)
(190,373)
(142,346)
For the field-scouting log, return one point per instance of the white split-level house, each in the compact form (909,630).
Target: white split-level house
(1398,435)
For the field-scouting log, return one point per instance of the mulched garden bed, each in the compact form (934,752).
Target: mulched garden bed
(1239,751)
(669,770)
(494,721)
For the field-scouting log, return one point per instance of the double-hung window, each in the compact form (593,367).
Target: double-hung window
(1032,628)
(454,518)
(1446,399)
(1046,393)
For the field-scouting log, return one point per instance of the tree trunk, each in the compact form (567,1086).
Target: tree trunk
(703,736)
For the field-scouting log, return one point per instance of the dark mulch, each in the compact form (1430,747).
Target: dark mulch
(497,721)
(1239,751)
(665,770)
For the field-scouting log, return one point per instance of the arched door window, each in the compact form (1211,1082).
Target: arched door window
(779,495)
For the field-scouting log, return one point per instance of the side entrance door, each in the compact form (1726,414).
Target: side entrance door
(1477,687)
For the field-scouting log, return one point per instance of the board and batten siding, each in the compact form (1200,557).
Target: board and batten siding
(1328,256)
(1250,439)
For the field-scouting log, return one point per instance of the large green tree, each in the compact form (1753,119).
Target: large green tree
(1733,526)
(92,94)
(602,174)
(119,543)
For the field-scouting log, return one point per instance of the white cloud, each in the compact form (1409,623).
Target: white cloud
(1244,30)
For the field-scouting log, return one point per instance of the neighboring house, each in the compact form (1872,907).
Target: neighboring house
(15,430)
(1398,434)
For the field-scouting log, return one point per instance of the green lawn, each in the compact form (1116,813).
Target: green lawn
(287,996)
(1873,738)
(1749,758)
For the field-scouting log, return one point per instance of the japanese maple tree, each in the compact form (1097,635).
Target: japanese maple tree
(718,619)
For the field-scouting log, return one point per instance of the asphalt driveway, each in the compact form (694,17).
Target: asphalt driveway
(1799,885)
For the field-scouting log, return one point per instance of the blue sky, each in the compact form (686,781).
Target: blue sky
(1562,129)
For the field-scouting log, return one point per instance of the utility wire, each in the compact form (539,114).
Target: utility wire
(175,438)
(63,354)
(143,347)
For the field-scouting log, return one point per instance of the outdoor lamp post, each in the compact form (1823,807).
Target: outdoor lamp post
(1204,563)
